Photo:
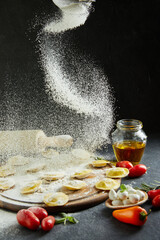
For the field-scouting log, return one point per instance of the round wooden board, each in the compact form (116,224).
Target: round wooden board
(78,200)
(71,206)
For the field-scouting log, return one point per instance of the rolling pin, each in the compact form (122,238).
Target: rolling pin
(30,142)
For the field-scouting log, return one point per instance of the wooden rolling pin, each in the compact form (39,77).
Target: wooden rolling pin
(29,142)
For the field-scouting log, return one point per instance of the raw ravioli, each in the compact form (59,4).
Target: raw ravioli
(107,184)
(82,174)
(56,199)
(75,185)
(31,187)
(117,172)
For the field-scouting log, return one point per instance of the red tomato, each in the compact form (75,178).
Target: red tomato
(27,219)
(156,201)
(48,223)
(153,193)
(124,164)
(39,212)
(137,171)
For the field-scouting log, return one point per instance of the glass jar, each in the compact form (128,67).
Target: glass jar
(129,141)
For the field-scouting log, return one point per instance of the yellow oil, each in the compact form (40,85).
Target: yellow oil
(129,151)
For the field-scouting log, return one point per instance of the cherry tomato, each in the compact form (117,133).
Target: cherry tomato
(48,223)
(153,193)
(27,219)
(137,170)
(156,201)
(39,212)
(124,164)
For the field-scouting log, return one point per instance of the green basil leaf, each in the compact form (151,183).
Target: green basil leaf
(123,188)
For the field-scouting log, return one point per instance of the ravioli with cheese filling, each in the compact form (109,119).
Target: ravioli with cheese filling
(75,185)
(6,184)
(55,199)
(117,172)
(99,163)
(31,187)
(6,171)
(51,176)
(82,174)
(107,184)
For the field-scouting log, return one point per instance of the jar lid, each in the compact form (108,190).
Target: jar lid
(129,124)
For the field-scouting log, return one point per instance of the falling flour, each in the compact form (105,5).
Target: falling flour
(74,81)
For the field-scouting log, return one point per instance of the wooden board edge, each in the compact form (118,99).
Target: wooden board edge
(72,206)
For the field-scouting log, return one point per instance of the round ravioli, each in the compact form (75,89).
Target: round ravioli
(55,199)
(6,170)
(117,172)
(75,185)
(6,184)
(31,187)
(36,168)
(82,174)
(52,176)
(107,184)
(99,163)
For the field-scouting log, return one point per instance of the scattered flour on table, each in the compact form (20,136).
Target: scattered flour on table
(8,224)
(67,164)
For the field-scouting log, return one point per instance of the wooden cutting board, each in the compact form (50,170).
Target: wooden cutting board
(71,206)
(78,200)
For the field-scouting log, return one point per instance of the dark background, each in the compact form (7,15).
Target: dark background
(122,36)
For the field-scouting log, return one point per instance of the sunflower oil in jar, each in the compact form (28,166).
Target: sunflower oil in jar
(129,141)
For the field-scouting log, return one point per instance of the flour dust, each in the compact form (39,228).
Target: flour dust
(77,88)
(74,81)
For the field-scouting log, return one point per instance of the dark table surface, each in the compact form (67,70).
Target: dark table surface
(97,222)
